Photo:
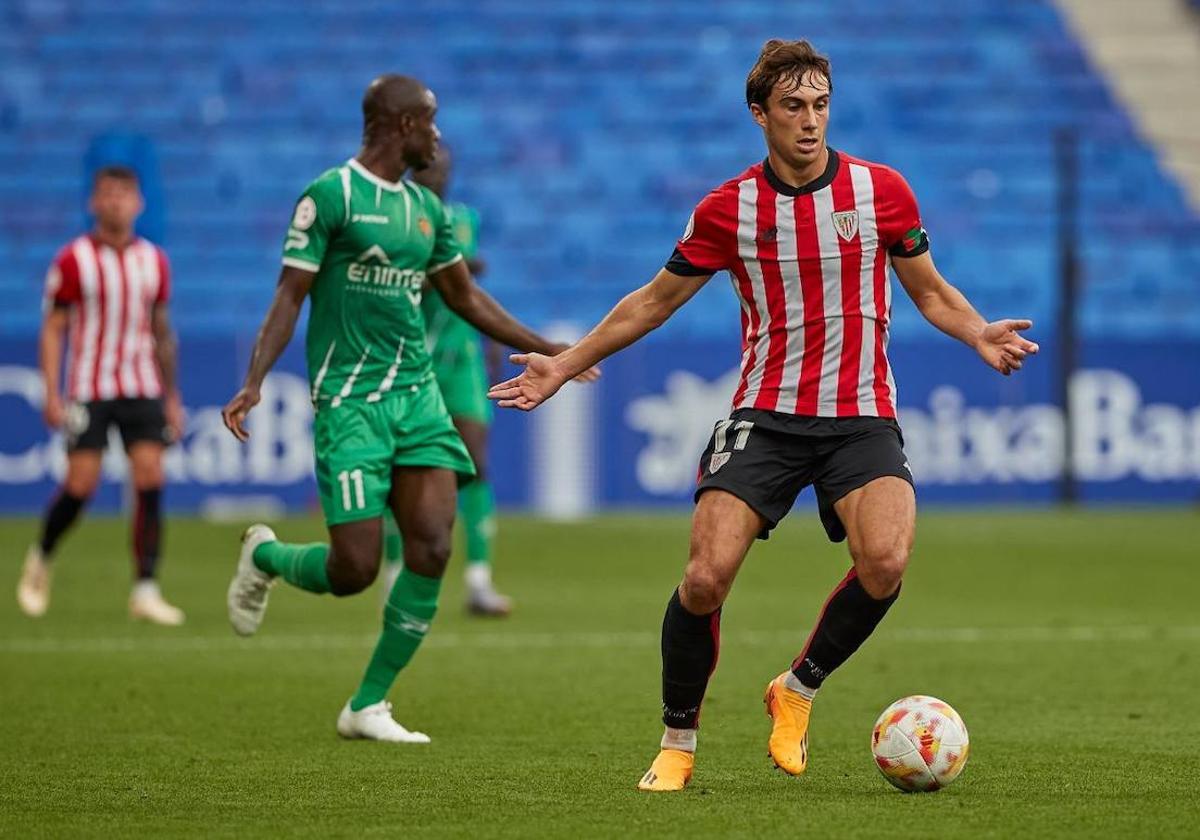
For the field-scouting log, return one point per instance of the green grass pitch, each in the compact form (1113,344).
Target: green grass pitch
(1069,642)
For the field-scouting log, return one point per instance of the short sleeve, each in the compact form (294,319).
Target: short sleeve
(62,280)
(900,227)
(446,249)
(709,239)
(319,214)
(164,276)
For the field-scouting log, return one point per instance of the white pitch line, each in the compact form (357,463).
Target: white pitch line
(634,639)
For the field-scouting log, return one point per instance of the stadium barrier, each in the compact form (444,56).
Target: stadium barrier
(634,440)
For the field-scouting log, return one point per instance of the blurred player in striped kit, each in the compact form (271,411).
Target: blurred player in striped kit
(109,288)
(463,371)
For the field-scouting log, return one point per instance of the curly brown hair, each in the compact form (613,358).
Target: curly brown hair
(783,60)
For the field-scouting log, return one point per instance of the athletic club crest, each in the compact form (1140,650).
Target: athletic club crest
(846,224)
(718,460)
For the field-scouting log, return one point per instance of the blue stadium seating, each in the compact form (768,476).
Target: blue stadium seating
(585,132)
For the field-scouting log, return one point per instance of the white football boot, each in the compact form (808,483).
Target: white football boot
(247,595)
(482,597)
(146,603)
(33,590)
(375,723)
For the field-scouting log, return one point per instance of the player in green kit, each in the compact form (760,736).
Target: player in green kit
(462,377)
(361,245)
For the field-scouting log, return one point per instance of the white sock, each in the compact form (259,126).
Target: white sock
(146,589)
(679,739)
(478,576)
(800,688)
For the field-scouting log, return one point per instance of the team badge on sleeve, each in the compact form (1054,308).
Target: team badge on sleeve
(306,213)
(914,239)
(846,224)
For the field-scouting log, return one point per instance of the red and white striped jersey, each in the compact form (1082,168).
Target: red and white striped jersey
(810,267)
(111,294)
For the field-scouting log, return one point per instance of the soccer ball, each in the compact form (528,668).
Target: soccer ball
(920,743)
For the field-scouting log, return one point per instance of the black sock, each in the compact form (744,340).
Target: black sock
(147,531)
(848,618)
(690,644)
(62,512)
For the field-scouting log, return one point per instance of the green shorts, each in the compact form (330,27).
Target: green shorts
(357,444)
(462,378)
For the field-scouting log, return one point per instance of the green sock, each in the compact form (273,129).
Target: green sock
(300,565)
(393,548)
(477,504)
(410,608)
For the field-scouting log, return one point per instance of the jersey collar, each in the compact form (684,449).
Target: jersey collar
(819,183)
(375,179)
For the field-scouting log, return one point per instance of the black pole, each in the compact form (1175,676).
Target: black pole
(1067,167)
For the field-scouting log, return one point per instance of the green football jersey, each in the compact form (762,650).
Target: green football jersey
(371,243)
(449,335)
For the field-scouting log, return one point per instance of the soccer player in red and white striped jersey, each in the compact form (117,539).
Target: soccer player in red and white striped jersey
(807,237)
(109,290)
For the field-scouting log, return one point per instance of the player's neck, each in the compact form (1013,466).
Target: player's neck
(798,178)
(113,237)
(380,164)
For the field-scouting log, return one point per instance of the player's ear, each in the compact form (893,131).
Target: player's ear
(760,115)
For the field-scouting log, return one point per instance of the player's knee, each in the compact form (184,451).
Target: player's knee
(81,487)
(703,590)
(351,569)
(350,579)
(148,477)
(428,552)
(880,568)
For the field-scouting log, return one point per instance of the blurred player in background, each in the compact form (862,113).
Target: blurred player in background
(463,372)
(807,236)
(361,245)
(111,288)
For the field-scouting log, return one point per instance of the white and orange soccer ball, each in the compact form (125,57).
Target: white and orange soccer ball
(920,743)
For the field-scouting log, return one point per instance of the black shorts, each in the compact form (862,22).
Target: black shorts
(766,458)
(87,423)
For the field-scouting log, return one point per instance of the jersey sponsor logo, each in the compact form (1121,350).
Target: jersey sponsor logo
(370,219)
(306,213)
(373,270)
(846,224)
(424,226)
(375,252)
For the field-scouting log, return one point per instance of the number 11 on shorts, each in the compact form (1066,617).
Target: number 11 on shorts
(346,477)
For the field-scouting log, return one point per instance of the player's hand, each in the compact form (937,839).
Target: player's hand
(234,413)
(1002,347)
(540,381)
(176,416)
(53,412)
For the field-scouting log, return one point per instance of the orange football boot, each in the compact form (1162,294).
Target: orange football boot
(789,711)
(671,770)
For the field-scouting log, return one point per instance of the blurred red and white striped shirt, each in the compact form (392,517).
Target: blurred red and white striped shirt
(111,294)
(810,268)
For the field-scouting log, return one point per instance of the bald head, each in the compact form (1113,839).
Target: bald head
(398,114)
(390,97)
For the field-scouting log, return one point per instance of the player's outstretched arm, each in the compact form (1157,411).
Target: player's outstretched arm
(999,343)
(637,314)
(274,335)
